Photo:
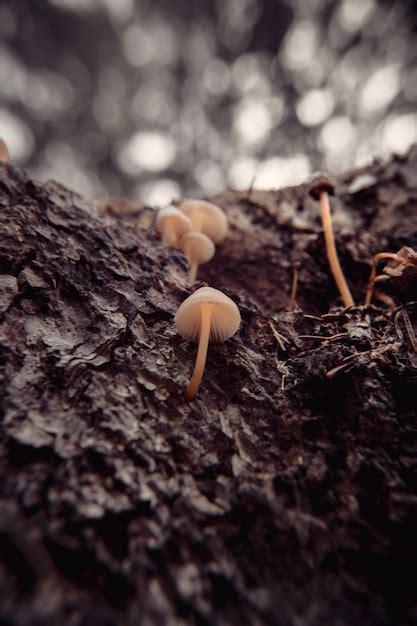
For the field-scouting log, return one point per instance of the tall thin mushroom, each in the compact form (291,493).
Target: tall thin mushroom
(319,190)
(206,315)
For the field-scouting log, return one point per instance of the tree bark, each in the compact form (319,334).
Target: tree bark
(285,493)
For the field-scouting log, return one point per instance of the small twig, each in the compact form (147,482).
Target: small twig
(334,316)
(397,326)
(347,361)
(280,339)
(336,370)
(294,286)
(409,328)
(381,256)
(332,252)
(324,338)
(313,317)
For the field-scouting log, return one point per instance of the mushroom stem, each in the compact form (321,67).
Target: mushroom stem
(193,272)
(200,362)
(377,258)
(332,252)
(383,297)
(169,236)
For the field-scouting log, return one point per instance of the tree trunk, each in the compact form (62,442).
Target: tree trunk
(284,494)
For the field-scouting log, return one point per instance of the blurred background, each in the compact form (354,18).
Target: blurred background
(157,99)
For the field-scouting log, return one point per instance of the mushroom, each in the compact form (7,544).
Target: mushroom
(208,314)
(207,218)
(172,224)
(4,153)
(319,189)
(198,249)
(401,271)
(373,278)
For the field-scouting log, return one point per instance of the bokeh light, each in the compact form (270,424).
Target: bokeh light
(155,100)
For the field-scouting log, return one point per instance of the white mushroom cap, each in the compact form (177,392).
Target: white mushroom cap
(224,315)
(207,218)
(197,247)
(171,223)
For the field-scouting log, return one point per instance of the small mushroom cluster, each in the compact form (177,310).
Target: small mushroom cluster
(208,314)
(193,228)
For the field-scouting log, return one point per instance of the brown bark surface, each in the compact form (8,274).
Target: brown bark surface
(285,493)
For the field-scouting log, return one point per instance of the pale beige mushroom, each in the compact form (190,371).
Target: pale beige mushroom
(4,153)
(171,224)
(198,249)
(206,217)
(207,315)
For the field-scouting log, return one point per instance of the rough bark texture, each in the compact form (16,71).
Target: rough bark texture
(281,495)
